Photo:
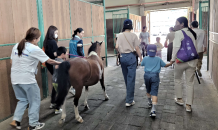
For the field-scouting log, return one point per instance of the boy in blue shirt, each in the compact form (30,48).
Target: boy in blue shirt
(152,69)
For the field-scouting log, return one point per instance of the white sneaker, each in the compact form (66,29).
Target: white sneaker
(52,106)
(72,91)
(130,104)
(37,127)
(179,101)
(58,111)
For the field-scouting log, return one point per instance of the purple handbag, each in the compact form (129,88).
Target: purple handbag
(187,51)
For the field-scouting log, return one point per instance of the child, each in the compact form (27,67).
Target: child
(61,56)
(152,69)
(159,47)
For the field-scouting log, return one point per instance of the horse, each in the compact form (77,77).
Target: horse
(79,72)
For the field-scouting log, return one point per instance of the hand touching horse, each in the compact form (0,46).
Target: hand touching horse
(79,72)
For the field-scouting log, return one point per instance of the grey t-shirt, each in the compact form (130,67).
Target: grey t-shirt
(144,36)
(55,74)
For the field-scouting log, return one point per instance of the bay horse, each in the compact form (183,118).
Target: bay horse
(79,72)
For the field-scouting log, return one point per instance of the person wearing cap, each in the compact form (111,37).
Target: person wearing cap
(128,44)
(152,66)
(201,44)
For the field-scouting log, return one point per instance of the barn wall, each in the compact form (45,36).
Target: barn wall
(213,47)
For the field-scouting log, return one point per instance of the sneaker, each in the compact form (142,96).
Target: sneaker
(38,127)
(149,105)
(58,111)
(188,108)
(153,114)
(16,124)
(199,73)
(72,91)
(52,106)
(179,101)
(130,104)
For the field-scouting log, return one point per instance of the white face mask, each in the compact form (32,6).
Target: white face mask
(56,36)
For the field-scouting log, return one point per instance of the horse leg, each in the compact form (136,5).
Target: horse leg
(86,97)
(103,87)
(76,102)
(63,116)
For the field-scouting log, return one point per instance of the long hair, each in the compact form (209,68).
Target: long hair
(78,30)
(185,21)
(63,81)
(31,34)
(50,35)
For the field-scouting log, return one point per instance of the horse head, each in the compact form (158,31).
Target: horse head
(96,47)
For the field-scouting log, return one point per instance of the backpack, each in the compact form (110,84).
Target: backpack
(187,51)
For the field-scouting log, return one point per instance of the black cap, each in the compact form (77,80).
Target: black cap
(127,24)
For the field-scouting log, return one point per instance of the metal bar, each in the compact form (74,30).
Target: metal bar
(200,15)
(70,20)
(96,2)
(105,33)
(147,3)
(92,25)
(5,58)
(9,44)
(121,14)
(90,3)
(114,10)
(208,35)
(128,13)
(41,28)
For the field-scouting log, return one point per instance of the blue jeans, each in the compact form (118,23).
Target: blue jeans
(27,94)
(128,65)
(152,83)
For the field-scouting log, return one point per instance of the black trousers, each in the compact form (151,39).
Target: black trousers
(53,93)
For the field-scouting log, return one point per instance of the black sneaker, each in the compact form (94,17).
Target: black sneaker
(149,105)
(16,124)
(153,114)
(38,127)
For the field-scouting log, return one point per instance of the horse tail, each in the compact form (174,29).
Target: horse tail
(63,81)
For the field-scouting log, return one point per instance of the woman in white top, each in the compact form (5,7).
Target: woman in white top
(187,67)
(25,57)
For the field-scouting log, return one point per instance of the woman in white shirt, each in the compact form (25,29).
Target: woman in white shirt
(187,67)
(25,57)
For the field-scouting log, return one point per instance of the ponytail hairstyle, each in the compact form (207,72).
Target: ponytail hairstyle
(32,34)
(78,30)
(185,21)
(50,35)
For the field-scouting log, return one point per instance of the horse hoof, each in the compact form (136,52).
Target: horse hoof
(107,98)
(61,121)
(79,119)
(87,107)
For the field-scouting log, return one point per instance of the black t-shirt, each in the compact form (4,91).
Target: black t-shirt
(51,47)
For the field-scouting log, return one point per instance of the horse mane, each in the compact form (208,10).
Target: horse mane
(93,47)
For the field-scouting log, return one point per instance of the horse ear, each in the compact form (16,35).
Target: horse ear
(101,42)
(92,42)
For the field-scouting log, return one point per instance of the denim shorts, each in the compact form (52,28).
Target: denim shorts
(152,81)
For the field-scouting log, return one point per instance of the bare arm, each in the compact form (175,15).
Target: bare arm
(165,44)
(139,53)
(53,62)
(169,64)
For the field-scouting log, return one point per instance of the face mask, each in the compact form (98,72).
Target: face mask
(56,36)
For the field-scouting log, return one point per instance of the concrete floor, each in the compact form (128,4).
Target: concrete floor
(113,115)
